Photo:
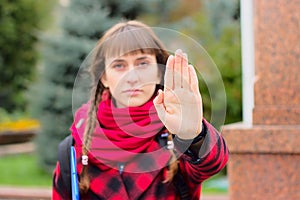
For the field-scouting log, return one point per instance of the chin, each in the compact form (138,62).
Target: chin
(136,103)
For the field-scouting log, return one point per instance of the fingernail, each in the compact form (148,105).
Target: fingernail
(178,51)
(159,91)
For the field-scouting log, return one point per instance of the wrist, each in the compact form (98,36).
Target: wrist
(189,132)
(201,135)
(183,144)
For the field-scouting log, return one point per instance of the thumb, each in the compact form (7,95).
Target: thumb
(159,105)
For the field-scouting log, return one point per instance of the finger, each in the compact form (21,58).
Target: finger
(177,68)
(159,98)
(185,83)
(159,106)
(169,73)
(193,79)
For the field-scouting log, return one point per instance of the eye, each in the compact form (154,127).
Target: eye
(143,64)
(118,66)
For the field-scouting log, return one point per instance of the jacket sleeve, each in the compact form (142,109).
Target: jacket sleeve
(211,158)
(59,191)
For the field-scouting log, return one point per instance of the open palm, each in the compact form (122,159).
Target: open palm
(179,106)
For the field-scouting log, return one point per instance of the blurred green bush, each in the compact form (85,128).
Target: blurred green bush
(20,22)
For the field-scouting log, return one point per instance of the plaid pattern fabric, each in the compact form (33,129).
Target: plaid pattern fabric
(111,184)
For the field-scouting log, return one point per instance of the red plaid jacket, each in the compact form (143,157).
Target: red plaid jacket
(113,185)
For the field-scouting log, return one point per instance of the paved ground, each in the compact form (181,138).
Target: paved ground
(9,149)
(24,193)
(18,193)
(215,197)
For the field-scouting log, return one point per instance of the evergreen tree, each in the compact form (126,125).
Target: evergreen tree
(221,14)
(83,24)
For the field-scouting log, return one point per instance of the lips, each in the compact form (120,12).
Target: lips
(133,91)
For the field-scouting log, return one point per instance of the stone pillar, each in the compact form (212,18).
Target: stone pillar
(265,157)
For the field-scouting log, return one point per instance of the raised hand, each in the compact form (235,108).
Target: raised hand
(179,106)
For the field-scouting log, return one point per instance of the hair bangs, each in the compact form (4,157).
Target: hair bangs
(130,41)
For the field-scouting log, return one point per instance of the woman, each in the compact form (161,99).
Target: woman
(142,134)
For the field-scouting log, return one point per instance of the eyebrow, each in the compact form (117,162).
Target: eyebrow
(142,58)
(121,60)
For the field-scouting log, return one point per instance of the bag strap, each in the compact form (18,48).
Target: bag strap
(179,182)
(181,186)
(64,149)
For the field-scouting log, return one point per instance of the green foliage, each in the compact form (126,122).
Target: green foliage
(221,39)
(224,46)
(6,116)
(82,24)
(19,23)
(226,55)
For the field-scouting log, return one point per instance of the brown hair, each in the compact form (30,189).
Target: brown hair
(122,38)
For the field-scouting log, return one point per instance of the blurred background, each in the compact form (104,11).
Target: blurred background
(42,45)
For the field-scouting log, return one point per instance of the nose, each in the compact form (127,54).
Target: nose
(132,76)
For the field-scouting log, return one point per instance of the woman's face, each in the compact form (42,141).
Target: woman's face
(131,78)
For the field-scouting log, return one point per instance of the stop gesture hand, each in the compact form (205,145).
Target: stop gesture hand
(179,105)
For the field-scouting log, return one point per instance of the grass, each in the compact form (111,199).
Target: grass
(23,170)
(217,184)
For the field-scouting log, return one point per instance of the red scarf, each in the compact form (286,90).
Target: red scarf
(123,134)
(132,128)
